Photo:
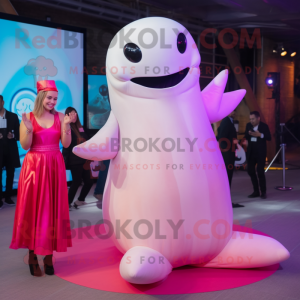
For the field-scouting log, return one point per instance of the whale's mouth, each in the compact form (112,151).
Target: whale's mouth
(161,82)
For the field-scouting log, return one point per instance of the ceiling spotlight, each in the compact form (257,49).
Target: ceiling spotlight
(293,54)
(275,49)
(283,53)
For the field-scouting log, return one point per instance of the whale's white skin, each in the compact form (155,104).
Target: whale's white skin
(143,187)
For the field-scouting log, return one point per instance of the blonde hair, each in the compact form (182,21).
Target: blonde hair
(38,109)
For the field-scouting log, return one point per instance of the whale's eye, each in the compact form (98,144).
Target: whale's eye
(132,52)
(181,42)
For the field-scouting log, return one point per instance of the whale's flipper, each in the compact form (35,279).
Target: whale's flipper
(219,105)
(143,265)
(213,93)
(229,102)
(249,251)
(104,144)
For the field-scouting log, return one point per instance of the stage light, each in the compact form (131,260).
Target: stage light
(269,82)
(272,80)
(275,49)
(293,54)
(283,53)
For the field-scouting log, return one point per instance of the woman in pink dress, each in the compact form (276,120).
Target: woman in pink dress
(42,222)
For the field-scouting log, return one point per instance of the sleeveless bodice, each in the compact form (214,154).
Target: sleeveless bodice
(45,139)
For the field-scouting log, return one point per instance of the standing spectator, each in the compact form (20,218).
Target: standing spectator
(228,139)
(98,194)
(79,167)
(9,153)
(257,134)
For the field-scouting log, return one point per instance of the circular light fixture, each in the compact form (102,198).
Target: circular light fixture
(272,80)
(293,54)
(283,53)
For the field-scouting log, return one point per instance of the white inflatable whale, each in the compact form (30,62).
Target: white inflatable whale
(167,196)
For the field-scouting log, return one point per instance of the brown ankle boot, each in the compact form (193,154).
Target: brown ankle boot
(48,265)
(34,267)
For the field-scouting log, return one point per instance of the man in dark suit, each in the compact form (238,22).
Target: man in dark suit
(257,134)
(9,153)
(228,139)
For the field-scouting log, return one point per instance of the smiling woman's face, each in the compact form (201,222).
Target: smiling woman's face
(50,100)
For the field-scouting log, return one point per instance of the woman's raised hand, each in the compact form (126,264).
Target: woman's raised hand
(70,118)
(27,122)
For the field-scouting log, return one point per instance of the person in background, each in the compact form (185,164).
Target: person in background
(257,134)
(98,194)
(228,139)
(42,222)
(9,153)
(79,167)
(104,165)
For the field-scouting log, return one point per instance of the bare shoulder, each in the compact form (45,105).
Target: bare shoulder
(61,116)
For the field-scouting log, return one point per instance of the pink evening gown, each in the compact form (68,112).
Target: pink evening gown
(42,220)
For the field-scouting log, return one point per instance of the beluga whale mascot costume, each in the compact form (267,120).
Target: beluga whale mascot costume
(167,200)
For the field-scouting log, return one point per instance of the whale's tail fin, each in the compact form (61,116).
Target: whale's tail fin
(249,251)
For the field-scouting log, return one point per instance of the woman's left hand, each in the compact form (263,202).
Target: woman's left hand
(70,118)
